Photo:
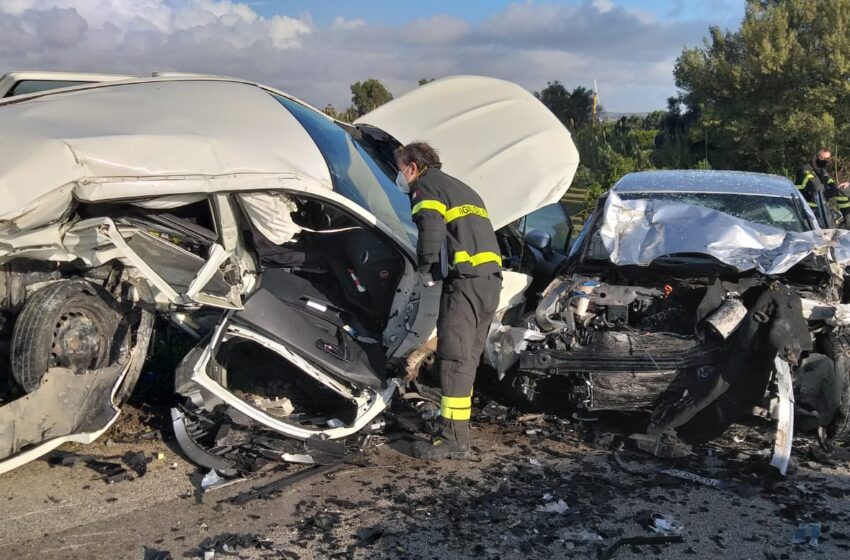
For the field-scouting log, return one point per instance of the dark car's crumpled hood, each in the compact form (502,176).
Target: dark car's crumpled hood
(636,232)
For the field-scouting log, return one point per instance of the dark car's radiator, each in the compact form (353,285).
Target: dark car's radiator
(621,370)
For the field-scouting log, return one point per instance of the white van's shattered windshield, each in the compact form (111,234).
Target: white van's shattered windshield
(356,175)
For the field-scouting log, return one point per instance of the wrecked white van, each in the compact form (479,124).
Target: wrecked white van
(271,231)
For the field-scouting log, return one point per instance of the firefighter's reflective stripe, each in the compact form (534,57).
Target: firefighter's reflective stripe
(843,202)
(456,408)
(813,204)
(478,258)
(463,211)
(802,186)
(450,214)
(434,205)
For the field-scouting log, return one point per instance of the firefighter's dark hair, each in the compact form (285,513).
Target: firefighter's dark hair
(420,153)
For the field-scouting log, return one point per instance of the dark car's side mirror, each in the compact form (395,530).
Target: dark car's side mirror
(540,240)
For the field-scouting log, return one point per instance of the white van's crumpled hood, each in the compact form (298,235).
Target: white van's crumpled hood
(148,138)
(491,134)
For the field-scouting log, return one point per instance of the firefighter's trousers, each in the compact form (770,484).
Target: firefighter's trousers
(467,306)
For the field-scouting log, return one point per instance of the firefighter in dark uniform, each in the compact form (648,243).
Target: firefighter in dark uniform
(458,245)
(813,178)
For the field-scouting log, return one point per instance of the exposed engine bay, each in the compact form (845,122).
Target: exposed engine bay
(608,333)
(698,352)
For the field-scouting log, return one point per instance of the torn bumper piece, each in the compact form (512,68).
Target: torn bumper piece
(785,417)
(183,432)
(70,407)
(504,345)
(213,441)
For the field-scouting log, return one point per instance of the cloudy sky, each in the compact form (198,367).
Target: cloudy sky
(315,49)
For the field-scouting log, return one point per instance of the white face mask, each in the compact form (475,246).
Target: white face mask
(401,182)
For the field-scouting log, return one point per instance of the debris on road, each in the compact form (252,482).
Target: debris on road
(638,541)
(664,525)
(269,490)
(214,481)
(369,535)
(231,544)
(580,536)
(112,472)
(136,461)
(107,466)
(807,533)
(554,507)
(154,554)
(685,475)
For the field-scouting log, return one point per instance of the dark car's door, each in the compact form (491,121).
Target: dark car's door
(538,244)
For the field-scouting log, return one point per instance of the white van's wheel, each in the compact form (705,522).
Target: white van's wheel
(71,324)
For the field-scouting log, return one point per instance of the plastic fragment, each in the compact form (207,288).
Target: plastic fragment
(558,507)
(580,536)
(664,525)
(806,533)
(369,536)
(298,458)
(213,481)
(637,541)
(685,475)
(136,461)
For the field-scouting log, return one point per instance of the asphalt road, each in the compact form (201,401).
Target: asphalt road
(398,507)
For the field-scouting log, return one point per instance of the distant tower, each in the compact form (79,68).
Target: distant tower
(595,102)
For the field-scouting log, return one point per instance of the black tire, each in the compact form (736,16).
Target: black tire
(838,348)
(72,324)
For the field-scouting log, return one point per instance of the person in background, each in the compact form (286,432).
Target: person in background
(813,178)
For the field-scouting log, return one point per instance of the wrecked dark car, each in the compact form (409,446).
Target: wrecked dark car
(272,235)
(696,295)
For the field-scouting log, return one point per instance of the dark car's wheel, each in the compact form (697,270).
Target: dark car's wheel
(69,324)
(838,348)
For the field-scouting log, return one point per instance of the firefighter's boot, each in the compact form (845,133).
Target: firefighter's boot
(452,442)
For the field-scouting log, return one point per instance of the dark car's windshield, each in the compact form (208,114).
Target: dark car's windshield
(355,173)
(773,211)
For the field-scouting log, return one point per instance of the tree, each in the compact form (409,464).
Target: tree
(347,115)
(768,94)
(423,81)
(574,109)
(368,95)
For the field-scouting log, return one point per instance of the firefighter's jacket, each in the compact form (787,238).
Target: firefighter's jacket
(456,237)
(810,181)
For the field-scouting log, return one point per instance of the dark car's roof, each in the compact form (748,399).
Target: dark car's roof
(726,182)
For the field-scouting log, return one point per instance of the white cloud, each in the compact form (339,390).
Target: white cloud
(340,23)
(529,42)
(286,32)
(436,30)
(160,21)
(603,5)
